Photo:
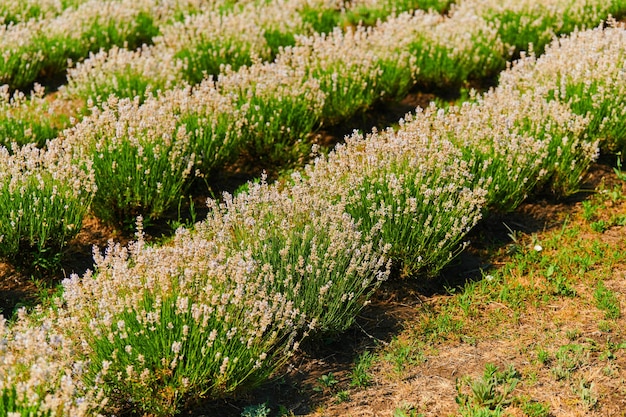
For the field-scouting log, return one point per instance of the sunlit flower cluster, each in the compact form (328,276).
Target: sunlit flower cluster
(585,71)
(141,156)
(520,23)
(346,70)
(167,325)
(463,46)
(27,119)
(40,373)
(390,7)
(190,49)
(207,41)
(221,307)
(513,142)
(44,195)
(202,44)
(408,189)
(15,11)
(310,246)
(29,48)
(123,73)
(280,105)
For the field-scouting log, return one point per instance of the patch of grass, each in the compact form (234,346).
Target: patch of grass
(535,408)
(607,301)
(559,281)
(568,359)
(404,353)
(586,391)
(440,326)
(326,383)
(406,411)
(605,326)
(590,210)
(489,394)
(600,226)
(360,376)
(572,334)
(543,356)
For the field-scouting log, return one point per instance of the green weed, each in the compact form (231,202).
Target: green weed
(572,334)
(258,410)
(568,359)
(487,395)
(590,210)
(535,409)
(586,391)
(327,380)
(600,226)
(360,376)
(342,397)
(403,354)
(406,411)
(543,356)
(618,168)
(284,412)
(559,281)
(607,301)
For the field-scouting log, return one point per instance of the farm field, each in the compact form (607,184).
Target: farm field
(312,207)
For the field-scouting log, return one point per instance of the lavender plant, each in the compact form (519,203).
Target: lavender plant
(192,49)
(460,48)
(517,143)
(94,26)
(322,16)
(175,324)
(142,158)
(15,11)
(347,72)
(371,12)
(593,88)
(310,247)
(40,373)
(123,73)
(525,24)
(11,403)
(37,47)
(215,124)
(44,196)
(27,119)
(23,59)
(281,105)
(520,24)
(407,190)
(393,41)
(570,150)
(206,42)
